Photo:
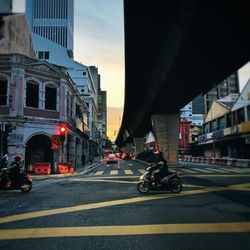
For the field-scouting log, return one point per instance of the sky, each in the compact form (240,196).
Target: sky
(99,41)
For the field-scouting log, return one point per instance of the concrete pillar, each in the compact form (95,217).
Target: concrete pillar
(139,145)
(166,131)
(129,147)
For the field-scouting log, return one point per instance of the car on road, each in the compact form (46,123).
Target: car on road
(126,156)
(111,158)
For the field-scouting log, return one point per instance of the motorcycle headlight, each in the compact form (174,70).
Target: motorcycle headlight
(141,177)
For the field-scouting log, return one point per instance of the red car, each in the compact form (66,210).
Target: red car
(111,158)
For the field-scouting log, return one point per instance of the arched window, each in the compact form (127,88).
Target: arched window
(50,97)
(3,91)
(32,94)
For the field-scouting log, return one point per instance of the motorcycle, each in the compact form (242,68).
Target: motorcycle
(22,181)
(170,182)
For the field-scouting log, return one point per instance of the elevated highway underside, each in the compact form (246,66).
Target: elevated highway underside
(176,50)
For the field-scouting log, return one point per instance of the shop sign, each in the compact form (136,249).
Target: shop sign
(218,133)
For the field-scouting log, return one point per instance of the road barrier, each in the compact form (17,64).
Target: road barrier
(217,161)
(62,167)
(42,168)
(71,167)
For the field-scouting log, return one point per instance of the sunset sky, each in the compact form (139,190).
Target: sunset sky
(99,41)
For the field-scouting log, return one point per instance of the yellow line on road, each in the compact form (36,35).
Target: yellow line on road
(200,228)
(37,214)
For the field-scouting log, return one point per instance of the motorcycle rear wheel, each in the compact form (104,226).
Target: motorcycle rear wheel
(143,187)
(176,186)
(25,187)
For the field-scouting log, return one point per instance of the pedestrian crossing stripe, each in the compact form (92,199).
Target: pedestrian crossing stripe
(128,172)
(114,172)
(189,171)
(181,170)
(142,171)
(218,170)
(202,170)
(99,173)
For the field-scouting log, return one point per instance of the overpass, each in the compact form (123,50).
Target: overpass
(176,50)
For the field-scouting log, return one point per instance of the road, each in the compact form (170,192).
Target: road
(102,209)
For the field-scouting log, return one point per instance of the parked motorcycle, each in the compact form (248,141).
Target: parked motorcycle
(20,181)
(170,182)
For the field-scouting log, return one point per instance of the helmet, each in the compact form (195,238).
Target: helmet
(18,158)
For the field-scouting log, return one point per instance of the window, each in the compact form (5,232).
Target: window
(248,112)
(32,95)
(229,120)
(84,73)
(3,92)
(78,111)
(221,122)
(241,116)
(206,128)
(43,55)
(82,90)
(50,97)
(214,125)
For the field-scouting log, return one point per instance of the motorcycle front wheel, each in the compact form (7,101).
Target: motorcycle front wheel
(143,187)
(176,186)
(26,186)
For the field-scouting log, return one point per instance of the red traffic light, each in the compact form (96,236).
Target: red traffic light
(62,129)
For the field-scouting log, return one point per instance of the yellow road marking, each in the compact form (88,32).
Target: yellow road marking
(128,172)
(200,228)
(114,172)
(239,170)
(37,214)
(244,186)
(99,173)
(104,180)
(119,181)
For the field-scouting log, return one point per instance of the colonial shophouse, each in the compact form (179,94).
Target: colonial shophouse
(36,98)
(226,131)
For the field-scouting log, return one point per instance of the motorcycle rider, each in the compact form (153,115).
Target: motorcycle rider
(162,166)
(4,161)
(15,167)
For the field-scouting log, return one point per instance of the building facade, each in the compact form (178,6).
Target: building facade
(36,98)
(229,86)
(57,52)
(226,131)
(53,20)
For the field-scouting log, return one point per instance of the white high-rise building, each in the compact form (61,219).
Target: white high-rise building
(53,20)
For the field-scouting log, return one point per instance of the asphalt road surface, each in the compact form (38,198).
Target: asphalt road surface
(102,209)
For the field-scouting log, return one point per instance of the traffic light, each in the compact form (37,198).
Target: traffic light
(62,131)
